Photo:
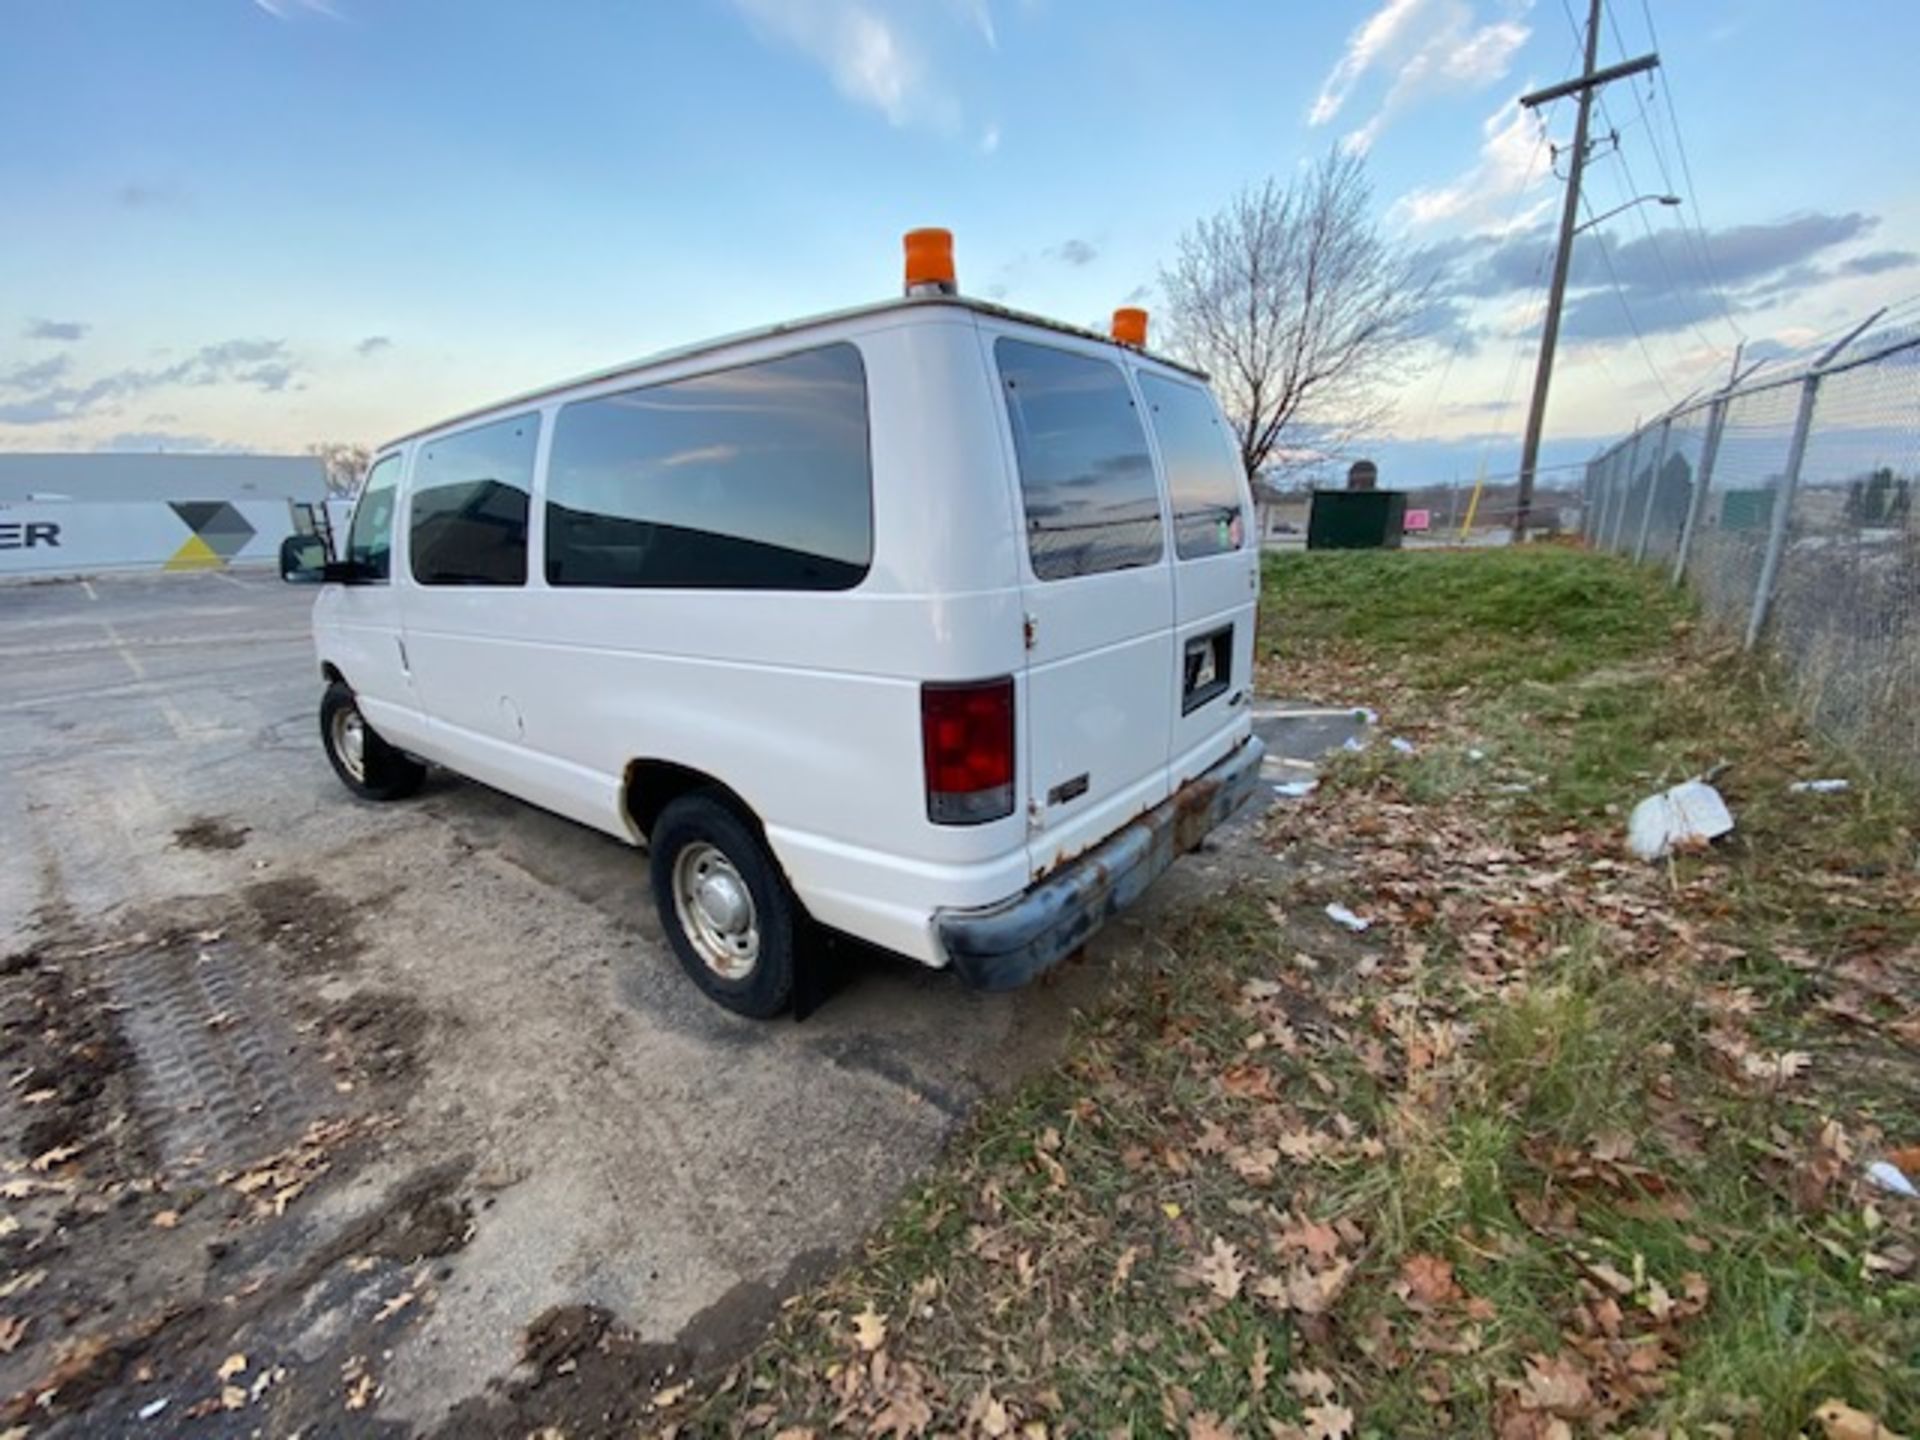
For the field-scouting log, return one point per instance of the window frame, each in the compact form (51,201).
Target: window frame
(624,386)
(538,418)
(998,383)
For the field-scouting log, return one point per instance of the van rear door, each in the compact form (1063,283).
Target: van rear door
(1098,593)
(1216,571)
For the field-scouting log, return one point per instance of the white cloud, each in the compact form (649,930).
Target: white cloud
(290,9)
(1487,197)
(1428,47)
(990,140)
(876,56)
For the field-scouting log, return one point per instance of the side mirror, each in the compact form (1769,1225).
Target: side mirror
(303,560)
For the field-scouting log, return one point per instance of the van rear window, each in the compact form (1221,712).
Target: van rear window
(754,478)
(1091,500)
(1202,464)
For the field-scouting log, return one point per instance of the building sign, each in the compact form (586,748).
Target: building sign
(62,537)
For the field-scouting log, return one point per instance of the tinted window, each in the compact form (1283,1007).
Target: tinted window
(1203,467)
(1091,501)
(370,537)
(470,496)
(755,478)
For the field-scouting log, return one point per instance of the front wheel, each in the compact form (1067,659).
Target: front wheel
(366,764)
(725,905)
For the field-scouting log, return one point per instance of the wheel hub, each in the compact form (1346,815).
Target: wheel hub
(715,909)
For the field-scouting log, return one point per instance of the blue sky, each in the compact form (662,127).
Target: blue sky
(265,223)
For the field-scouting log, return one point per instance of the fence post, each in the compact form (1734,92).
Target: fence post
(1626,492)
(1790,481)
(1783,508)
(1697,502)
(1653,487)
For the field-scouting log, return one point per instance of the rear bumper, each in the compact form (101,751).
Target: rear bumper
(1003,946)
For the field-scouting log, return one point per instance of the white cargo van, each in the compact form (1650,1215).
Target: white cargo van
(928,622)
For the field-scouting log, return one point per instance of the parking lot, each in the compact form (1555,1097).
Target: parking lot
(357,1094)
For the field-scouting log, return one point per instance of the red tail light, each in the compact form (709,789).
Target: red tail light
(967,734)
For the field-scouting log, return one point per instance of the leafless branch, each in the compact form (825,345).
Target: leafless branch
(1298,308)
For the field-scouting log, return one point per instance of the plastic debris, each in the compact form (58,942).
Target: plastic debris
(1341,915)
(152,1408)
(1366,716)
(1296,789)
(1889,1176)
(1476,754)
(1353,743)
(1688,814)
(1820,787)
(1405,747)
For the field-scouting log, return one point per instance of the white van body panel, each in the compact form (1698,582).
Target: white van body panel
(806,704)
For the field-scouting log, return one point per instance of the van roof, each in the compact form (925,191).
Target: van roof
(789,327)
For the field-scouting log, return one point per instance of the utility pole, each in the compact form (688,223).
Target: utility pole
(1590,80)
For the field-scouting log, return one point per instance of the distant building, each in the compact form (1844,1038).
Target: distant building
(80,514)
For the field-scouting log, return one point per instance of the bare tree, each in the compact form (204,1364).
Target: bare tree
(345,464)
(1298,307)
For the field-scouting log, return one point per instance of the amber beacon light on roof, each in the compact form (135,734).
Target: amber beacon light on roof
(1130,327)
(930,262)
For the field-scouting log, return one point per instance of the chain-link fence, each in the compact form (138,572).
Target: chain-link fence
(1787,502)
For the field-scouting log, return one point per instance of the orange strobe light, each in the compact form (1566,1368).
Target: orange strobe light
(1130,327)
(930,263)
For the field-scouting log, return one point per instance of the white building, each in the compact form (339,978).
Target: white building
(80,514)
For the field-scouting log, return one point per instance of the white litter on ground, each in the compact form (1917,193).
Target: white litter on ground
(1405,747)
(1820,787)
(1296,789)
(1889,1176)
(1341,915)
(1687,814)
(1354,743)
(1476,754)
(152,1408)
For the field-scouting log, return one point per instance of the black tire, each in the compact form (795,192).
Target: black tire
(383,773)
(692,826)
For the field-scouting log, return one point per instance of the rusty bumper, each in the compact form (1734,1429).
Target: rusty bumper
(1006,945)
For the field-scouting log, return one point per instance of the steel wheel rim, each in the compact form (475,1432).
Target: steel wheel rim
(716,912)
(350,741)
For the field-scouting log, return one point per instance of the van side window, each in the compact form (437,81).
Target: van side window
(1203,468)
(370,537)
(1091,499)
(471,491)
(754,478)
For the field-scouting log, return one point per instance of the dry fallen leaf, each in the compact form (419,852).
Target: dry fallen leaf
(1429,1279)
(870,1329)
(1310,1384)
(13,1329)
(1205,1425)
(231,1366)
(1258,1370)
(166,1219)
(1841,1421)
(1558,1385)
(1328,1421)
(1220,1270)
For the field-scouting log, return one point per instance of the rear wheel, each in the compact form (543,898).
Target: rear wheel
(366,764)
(725,905)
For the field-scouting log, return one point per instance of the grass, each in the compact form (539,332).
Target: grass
(1563,1140)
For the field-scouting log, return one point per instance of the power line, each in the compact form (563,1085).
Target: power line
(1633,185)
(1619,291)
(1686,171)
